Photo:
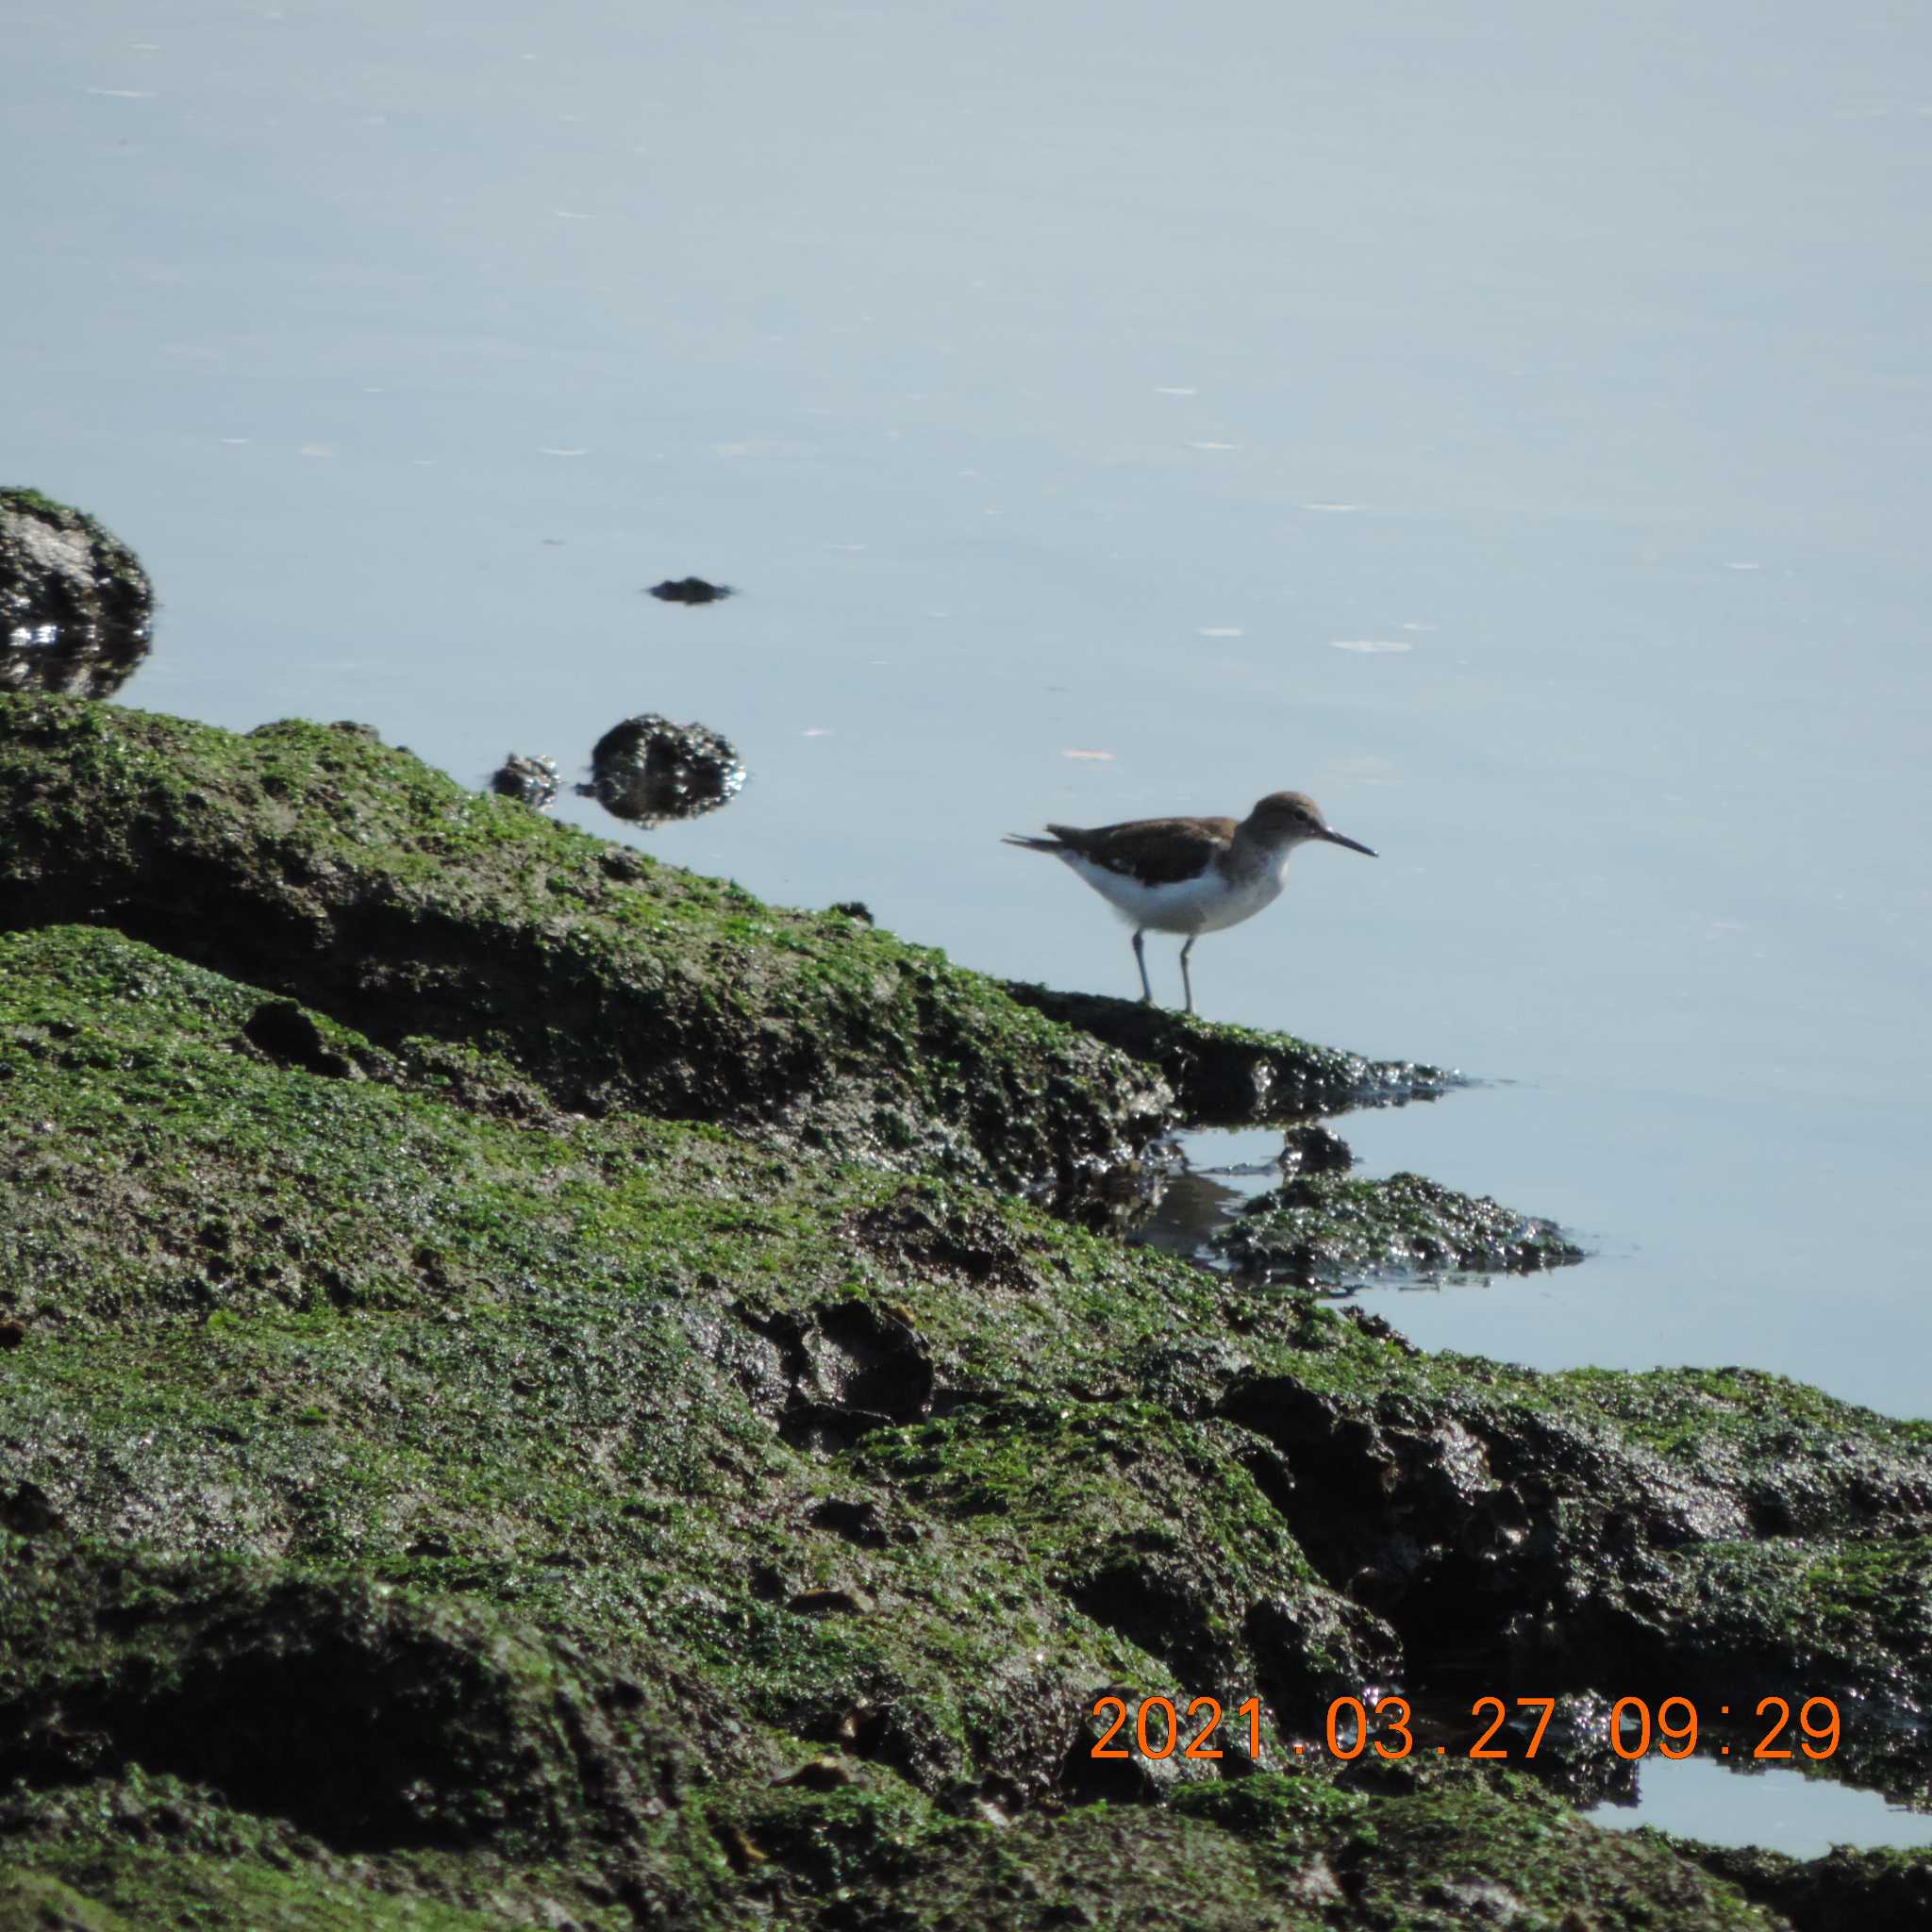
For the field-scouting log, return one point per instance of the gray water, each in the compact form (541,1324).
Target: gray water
(1804,1816)
(1507,422)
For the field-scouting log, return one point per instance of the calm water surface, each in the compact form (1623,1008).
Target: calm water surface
(1510,426)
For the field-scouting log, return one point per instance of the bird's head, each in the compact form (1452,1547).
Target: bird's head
(1289,817)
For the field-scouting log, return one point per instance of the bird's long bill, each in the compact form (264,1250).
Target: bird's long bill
(1353,845)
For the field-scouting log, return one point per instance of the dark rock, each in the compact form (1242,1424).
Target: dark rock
(76,606)
(833,1603)
(1315,1149)
(689,590)
(855,910)
(857,1519)
(285,1032)
(28,1510)
(531,780)
(852,1367)
(1231,1075)
(819,1774)
(648,770)
(1575,1754)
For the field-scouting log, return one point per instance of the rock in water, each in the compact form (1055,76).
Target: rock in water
(76,606)
(532,780)
(649,771)
(689,590)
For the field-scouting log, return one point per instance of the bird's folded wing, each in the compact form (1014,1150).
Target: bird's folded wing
(1157,852)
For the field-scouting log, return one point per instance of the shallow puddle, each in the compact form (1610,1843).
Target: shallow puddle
(1215,1172)
(1804,1816)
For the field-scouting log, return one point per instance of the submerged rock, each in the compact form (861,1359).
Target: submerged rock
(76,606)
(533,781)
(689,590)
(1314,1149)
(648,770)
(1321,1229)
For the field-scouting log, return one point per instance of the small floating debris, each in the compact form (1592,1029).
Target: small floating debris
(690,591)
(649,771)
(532,780)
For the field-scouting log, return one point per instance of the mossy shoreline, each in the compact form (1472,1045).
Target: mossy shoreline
(532,1393)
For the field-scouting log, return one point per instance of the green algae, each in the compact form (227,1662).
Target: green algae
(144,1850)
(1291,1853)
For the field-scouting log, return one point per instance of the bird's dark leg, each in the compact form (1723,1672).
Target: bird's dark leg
(1141,960)
(1186,982)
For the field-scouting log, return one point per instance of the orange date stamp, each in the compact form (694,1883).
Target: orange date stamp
(1157,1727)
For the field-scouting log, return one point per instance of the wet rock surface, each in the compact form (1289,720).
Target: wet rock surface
(648,770)
(1320,1229)
(1315,1149)
(1231,1075)
(478,1449)
(530,781)
(76,607)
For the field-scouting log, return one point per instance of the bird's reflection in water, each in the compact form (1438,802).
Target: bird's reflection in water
(1194,1202)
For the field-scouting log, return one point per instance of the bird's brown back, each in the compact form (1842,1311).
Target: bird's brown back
(1157,852)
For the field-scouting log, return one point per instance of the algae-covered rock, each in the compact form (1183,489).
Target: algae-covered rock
(494,1431)
(530,781)
(314,861)
(76,606)
(1845,1891)
(1571,1527)
(145,1849)
(502,1418)
(1330,1230)
(37,1902)
(362,1712)
(1292,1854)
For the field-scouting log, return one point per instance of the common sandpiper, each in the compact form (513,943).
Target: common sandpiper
(1190,875)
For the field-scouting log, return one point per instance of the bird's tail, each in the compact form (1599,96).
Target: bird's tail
(1032,844)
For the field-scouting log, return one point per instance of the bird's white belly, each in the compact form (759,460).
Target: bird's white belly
(1207,903)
